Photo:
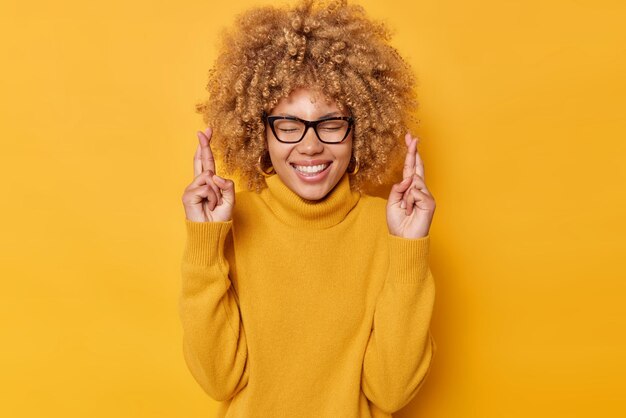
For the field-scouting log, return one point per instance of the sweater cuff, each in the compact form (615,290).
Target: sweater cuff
(408,259)
(205,242)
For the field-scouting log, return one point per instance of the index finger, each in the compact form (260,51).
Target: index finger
(208,162)
(197,162)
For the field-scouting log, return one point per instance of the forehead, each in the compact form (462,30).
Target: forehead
(306,99)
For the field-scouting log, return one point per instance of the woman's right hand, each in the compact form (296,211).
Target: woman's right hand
(209,198)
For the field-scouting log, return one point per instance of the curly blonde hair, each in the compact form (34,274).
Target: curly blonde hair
(334,46)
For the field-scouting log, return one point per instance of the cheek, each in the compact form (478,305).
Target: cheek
(345,154)
(277,151)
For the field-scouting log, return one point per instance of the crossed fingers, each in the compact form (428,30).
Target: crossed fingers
(413,167)
(204,162)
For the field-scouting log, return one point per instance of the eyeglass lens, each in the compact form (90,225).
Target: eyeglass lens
(329,131)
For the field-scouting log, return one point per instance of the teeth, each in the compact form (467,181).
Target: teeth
(311,168)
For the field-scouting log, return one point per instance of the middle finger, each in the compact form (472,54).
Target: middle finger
(419,164)
(409,161)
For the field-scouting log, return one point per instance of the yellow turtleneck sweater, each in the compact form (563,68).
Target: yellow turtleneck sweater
(300,309)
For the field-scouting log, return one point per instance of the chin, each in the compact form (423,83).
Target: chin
(315,191)
(313,195)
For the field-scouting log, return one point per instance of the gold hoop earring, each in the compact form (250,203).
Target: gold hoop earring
(261,170)
(356,167)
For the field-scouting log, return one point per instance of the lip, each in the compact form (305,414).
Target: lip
(310,162)
(316,178)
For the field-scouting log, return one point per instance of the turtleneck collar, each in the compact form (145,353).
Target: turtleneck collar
(293,210)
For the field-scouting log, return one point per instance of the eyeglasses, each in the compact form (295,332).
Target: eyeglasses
(290,129)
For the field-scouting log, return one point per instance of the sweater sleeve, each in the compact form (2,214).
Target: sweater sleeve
(400,347)
(214,342)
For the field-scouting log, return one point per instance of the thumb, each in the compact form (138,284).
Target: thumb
(227,187)
(398,189)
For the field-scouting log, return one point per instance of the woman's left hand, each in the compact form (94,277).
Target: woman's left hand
(410,207)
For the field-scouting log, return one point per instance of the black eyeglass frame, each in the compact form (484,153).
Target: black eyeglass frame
(308,124)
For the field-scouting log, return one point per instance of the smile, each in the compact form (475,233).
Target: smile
(311,169)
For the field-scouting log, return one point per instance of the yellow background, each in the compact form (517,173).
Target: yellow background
(523,139)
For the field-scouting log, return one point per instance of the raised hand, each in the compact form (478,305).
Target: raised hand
(410,207)
(209,198)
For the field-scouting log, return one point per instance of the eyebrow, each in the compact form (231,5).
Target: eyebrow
(321,117)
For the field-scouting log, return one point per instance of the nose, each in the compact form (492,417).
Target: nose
(310,144)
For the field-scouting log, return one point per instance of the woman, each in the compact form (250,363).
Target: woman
(304,296)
